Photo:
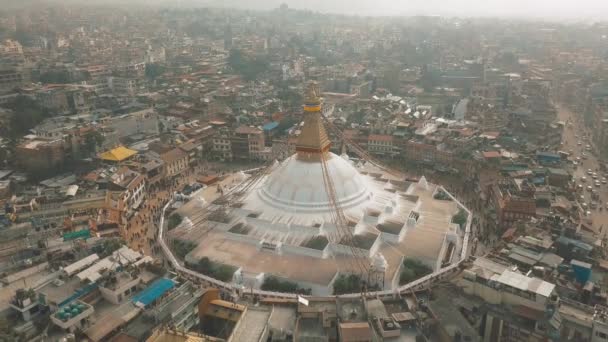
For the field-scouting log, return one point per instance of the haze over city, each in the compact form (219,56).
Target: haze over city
(303,171)
(548,9)
(501,8)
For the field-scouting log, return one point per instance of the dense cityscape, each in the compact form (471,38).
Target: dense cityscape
(183,173)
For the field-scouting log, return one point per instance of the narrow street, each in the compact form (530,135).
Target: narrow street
(573,135)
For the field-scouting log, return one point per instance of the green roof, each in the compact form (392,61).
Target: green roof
(80,234)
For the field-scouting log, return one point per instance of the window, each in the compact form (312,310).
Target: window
(601,335)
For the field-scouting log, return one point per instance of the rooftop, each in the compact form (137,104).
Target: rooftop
(117,154)
(151,293)
(173,155)
(359,331)
(251,325)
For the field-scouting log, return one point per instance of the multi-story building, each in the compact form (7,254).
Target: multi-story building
(518,307)
(193,149)
(53,97)
(117,288)
(135,69)
(514,201)
(247,142)
(117,127)
(179,308)
(132,184)
(41,155)
(222,147)
(123,86)
(11,78)
(422,152)
(176,162)
(381,144)
(99,78)
(600,324)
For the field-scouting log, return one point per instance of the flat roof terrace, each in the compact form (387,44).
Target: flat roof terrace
(423,242)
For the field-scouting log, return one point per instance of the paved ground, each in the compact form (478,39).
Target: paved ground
(599,218)
(425,242)
(142,228)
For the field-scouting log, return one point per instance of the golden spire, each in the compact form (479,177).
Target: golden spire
(313,138)
(312,103)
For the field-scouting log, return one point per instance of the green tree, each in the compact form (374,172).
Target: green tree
(174,221)
(223,273)
(214,270)
(154,70)
(413,269)
(347,284)
(182,248)
(56,77)
(460,218)
(274,284)
(250,67)
(111,245)
(204,265)
(27,113)
(92,141)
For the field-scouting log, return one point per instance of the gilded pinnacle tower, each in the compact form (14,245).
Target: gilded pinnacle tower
(313,138)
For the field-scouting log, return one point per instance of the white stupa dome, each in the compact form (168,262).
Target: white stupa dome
(298,185)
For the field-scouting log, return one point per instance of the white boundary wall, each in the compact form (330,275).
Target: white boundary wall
(419,284)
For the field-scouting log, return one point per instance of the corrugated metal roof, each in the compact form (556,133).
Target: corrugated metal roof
(80,264)
(153,292)
(524,283)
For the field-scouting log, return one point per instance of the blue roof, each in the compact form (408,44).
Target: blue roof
(538,180)
(78,293)
(151,293)
(577,243)
(270,126)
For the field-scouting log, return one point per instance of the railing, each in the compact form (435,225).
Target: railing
(419,284)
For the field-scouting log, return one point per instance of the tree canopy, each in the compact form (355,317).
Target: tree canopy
(92,141)
(460,218)
(182,247)
(214,270)
(27,113)
(275,284)
(250,67)
(174,221)
(347,284)
(56,77)
(413,269)
(154,70)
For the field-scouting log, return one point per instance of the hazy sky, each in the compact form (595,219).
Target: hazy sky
(570,9)
(527,8)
